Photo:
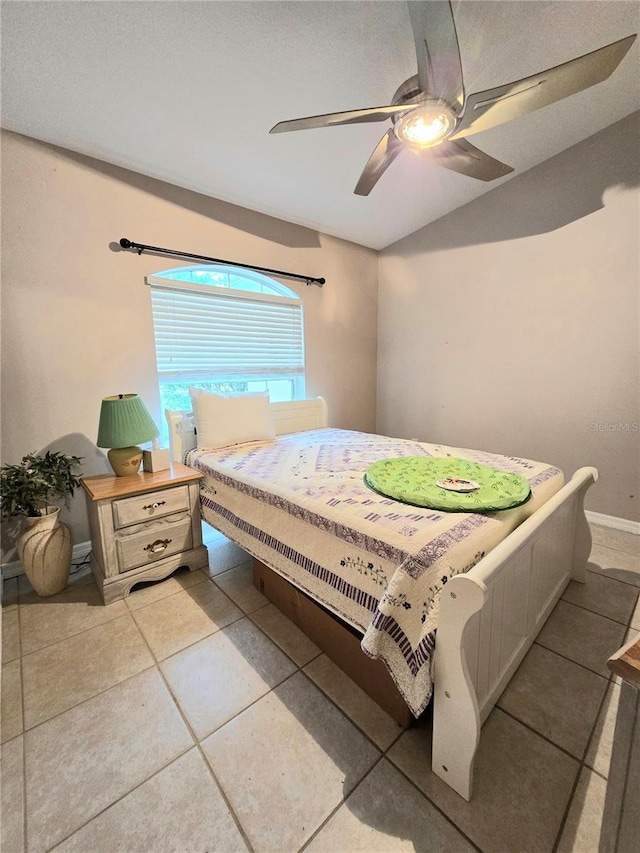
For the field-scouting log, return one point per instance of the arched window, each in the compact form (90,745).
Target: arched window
(226,329)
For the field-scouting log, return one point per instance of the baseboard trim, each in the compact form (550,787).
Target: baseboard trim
(625,524)
(14,569)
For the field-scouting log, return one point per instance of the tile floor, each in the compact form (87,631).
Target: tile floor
(195,717)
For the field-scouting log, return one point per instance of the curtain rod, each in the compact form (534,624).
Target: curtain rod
(141,247)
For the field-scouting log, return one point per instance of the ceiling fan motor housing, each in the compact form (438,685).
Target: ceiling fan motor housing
(429,124)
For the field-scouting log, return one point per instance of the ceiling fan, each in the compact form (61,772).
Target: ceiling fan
(431,112)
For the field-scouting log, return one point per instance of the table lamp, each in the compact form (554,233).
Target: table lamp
(125,423)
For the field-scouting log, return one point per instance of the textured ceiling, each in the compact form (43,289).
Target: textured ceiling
(187,92)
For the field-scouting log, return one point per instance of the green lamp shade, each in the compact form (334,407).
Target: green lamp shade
(125,421)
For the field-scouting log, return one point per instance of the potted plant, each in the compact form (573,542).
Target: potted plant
(26,491)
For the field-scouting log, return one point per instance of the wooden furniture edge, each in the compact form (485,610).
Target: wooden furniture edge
(626,662)
(108,486)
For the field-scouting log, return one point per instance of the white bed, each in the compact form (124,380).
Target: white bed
(488,616)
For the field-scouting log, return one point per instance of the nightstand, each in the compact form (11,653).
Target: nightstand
(143,527)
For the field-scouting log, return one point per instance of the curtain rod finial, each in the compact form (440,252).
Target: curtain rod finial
(126,244)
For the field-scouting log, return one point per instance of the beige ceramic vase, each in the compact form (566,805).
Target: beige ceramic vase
(45,552)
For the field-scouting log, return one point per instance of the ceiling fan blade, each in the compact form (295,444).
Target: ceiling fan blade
(383,156)
(504,103)
(463,157)
(348,117)
(437,51)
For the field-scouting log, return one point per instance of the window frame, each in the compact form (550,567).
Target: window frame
(277,294)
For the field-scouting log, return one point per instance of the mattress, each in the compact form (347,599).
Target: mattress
(300,505)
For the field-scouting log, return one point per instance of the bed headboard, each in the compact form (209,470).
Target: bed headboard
(295,416)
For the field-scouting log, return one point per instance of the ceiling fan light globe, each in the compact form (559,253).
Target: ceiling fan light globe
(427,125)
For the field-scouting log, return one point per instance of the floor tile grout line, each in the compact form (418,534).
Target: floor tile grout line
(581,767)
(543,737)
(237,603)
(225,798)
(156,664)
(629,774)
(198,745)
(89,698)
(594,728)
(571,660)
(342,711)
(262,607)
(74,634)
(118,799)
(241,711)
(2,644)
(396,739)
(93,695)
(601,615)
(243,615)
(200,639)
(606,678)
(567,810)
(228,569)
(164,597)
(435,805)
(231,569)
(608,685)
(151,584)
(299,669)
(342,802)
(77,634)
(421,793)
(277,644)
(598,613)
(611,547)
(25,810)
(315,657)
(603,574)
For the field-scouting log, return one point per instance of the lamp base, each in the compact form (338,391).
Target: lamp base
(125,461)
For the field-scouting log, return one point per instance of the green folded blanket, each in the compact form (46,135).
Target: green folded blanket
(414,480)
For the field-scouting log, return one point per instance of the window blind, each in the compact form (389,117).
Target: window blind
(203,334)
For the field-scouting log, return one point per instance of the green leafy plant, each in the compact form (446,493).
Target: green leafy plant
(39,479)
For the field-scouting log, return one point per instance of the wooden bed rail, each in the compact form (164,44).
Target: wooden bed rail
(490,616)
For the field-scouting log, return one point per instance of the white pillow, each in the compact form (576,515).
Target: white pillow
(225,419)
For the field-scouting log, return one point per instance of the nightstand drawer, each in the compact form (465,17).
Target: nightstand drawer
(152,505)
(162,540)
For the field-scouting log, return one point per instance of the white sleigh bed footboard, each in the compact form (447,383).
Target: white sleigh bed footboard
(490,616)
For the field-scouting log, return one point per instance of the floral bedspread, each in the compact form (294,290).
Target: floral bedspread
(300,505)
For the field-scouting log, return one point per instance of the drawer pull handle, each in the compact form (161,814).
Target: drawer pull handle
(158,546)
(155,505)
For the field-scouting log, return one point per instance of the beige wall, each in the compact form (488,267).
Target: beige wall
(511,325)
(76,316)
